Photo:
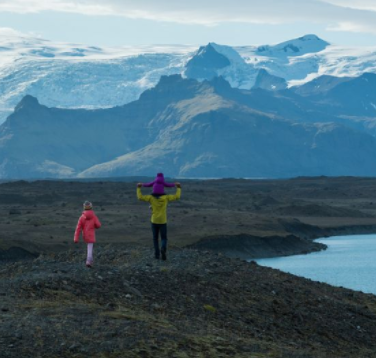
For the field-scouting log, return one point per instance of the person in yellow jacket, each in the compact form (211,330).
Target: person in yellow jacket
(159,217)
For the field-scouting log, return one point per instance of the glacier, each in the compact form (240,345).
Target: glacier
(76,76)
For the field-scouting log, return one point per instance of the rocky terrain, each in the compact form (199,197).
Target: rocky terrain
(201,302)
(243,218)
(196,304)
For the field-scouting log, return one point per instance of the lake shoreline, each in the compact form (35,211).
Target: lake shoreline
(250,247)
(300,241)
(348,263)
(240,218)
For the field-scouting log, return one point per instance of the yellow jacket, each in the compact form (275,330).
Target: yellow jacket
(158,205)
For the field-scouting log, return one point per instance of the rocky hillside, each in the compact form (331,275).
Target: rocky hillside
(196,304)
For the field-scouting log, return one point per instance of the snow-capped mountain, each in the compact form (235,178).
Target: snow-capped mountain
(297,47)
(74,76)
(206,63)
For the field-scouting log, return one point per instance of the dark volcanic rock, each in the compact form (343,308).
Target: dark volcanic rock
(14,212)
(248,246)
(16,253)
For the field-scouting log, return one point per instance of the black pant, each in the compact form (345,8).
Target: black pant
(156,229)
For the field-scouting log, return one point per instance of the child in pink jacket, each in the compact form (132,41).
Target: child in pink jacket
(158,185)
(87,223)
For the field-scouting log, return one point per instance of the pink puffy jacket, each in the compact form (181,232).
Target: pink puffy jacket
(87,223)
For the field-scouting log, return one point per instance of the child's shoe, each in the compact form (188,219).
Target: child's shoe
(89,264)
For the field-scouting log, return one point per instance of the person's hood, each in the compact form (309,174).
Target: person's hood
(89,214)
(159,178)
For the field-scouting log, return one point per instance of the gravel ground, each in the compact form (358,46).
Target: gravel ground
(195,304)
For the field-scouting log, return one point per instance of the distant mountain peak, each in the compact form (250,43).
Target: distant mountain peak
(208,47)
(229,52)
(309,37)
(206,62)
(263,72)
(205,50)
(171,88)
(169,79)
(172,82)
(296,47)
(28,101)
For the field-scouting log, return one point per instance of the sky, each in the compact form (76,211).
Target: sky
(194,22)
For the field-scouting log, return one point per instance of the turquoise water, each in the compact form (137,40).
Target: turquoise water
(349,261)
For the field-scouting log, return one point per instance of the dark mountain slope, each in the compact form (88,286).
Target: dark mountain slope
(356,97)
(188,128)
(320,85)
(266,81)
(226,139)
(37,141)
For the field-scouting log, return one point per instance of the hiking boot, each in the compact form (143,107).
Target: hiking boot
(164,257)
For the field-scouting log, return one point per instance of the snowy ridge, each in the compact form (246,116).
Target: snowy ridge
(76,76)
(297,47)
(15,45)
(333,60)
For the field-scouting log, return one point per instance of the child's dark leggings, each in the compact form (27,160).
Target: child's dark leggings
(159,228)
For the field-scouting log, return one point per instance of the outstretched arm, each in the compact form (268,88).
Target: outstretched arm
(169,185)
(177,195)
(140,196)
(148,185)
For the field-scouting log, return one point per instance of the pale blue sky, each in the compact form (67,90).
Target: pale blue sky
(239,22)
